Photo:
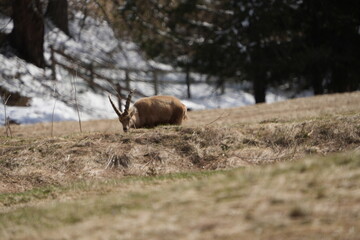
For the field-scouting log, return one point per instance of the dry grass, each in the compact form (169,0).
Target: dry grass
(316,198)
(292,110)
(160,173)
(32,160)
(35,162)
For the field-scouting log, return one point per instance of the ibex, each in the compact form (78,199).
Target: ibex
(151,111)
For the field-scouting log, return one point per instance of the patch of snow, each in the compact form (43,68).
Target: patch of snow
(245,23)
(6,24)
(94,41)
(40,110)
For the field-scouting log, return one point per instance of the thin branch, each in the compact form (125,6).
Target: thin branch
(221,116)
(76,102)
(6,118)
(52,115)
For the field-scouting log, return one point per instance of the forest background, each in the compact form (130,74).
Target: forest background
(290,44)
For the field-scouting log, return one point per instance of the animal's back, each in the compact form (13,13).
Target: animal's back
(157,110)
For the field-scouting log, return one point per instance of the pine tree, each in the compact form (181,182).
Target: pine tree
(270,43)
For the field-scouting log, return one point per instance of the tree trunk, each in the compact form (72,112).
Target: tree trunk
(57,11)
(259,86)
(316,81)
(339,80)
(27,36)
(314,39)
(188,80)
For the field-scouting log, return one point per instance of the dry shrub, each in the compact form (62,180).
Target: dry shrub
(336,133)
(29,162)
(204,145)
(339,133)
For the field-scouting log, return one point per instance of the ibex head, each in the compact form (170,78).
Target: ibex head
(125,118)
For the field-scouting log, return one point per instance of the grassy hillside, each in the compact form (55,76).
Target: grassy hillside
(289,170)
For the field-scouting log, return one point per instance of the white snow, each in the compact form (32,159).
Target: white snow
(95,42)
(40,110)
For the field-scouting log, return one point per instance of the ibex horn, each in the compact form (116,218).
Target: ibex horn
(127,105)
(115,108)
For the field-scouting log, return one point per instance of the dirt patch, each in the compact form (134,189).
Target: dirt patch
(14,98)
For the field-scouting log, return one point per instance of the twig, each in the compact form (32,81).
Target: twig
(52,119)
(8,129)
(5,25)
(264,159)
(221,116)
(6,118)
(53,112)
(115,161)
(76,102)
(111,162)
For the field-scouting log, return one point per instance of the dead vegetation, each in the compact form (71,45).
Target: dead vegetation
(102,160)
(310,199)
(34,162)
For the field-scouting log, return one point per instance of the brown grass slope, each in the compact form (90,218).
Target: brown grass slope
(175,182)
(212,139)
